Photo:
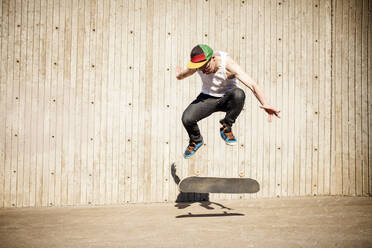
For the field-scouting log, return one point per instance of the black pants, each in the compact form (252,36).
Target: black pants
(204,105)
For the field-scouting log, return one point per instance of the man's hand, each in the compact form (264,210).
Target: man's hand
(271,111)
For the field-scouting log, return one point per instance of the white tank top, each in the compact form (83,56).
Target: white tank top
(216,84)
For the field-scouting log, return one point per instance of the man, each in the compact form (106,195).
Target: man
(220,92)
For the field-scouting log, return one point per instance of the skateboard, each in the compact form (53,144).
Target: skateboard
(218,185)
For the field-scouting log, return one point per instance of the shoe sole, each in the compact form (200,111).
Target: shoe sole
(231,144)
(227,143)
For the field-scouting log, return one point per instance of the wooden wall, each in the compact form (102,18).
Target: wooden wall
(91,110)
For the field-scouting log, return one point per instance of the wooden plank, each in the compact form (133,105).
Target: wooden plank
(180,57)
(79,119)
(364,105)
(137,166)
(302,101)
(136,96)
(321,71)
(253,68)
(122,100)
(10,61)
(284,96)
(260,57)
(173,103)
(250,104)
(73,146)
(49,110)
(297,100)
(4,8)
(115,105)
(184,56)
(358,99)
(167,101)
(315,99)
(270,90)
(328,96)
(2,109)
(161,106)
(22,95)
(156,166)
(104,163)
(16,132)
(281,84)
(148,88)
(323,152)
(28,20)
(129,94)
(66,161)
(98,161)
(142,182)
(291,41)
(84,99)
(145,102)
(155,110)
(35,103)
(104,98)
(92,154)
(369,76)
(308,74)
(351,97)
(263,20)
(110,105)
(336,172)
(114,57)
(53,100)
(60,104)
(344,56)
(243,167)
(40,107)
(235,46)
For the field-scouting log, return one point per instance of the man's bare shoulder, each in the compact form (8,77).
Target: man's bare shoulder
(232,67)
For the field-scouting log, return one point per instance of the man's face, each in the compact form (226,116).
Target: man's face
(207,68)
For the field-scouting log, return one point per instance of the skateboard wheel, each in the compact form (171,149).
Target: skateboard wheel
(197,172)
(241,174)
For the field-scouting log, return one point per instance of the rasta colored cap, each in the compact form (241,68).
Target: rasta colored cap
(200,55)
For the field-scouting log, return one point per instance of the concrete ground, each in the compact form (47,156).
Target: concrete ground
(290,222)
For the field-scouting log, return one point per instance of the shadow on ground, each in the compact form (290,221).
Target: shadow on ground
(185,200)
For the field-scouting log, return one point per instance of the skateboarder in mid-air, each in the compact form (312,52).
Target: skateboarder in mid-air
(220,92)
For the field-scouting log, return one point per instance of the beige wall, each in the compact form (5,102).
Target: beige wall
(91,110)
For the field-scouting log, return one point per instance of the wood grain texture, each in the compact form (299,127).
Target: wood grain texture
(91,109)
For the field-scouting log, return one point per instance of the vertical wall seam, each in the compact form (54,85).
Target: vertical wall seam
(331,93)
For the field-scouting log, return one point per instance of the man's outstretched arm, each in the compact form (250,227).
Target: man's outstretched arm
(181,74)
(234,69)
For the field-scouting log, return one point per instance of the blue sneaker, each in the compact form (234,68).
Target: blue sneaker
(227,135)
(192,148)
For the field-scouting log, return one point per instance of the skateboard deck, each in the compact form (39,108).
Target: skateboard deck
(218,185)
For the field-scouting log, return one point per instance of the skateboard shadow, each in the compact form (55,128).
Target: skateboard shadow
(208,215)
(185,199)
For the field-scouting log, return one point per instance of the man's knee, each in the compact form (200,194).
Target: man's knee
(187,119)
(238,94)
